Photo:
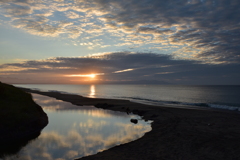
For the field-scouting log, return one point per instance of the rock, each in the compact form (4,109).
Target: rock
(135,121)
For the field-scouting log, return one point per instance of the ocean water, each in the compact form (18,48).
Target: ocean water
(222,97)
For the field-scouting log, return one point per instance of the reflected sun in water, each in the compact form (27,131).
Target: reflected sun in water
(92,91)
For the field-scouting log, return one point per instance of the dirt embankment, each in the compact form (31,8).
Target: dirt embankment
(20,117)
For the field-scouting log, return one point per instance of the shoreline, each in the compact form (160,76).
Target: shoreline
(177,133)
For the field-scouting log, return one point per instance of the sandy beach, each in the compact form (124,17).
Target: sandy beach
(177,133)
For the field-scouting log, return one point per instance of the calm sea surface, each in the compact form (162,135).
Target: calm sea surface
(77,131)
(224,97)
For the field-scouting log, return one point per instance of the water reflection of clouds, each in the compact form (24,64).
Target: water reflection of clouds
(91,124)
(52,145)
(83,135)
(49,104)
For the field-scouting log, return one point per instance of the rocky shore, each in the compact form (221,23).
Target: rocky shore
(177,133)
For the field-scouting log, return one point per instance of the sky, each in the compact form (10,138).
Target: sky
(195,42)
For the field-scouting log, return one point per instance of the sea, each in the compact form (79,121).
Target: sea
(206,96)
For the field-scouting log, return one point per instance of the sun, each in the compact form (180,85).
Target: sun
(92,75)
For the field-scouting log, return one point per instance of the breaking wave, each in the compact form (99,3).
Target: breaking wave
(158,102)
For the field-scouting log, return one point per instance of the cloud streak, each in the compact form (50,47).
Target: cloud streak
(125,70)
(130,68)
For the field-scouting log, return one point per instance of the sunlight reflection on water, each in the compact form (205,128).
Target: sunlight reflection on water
(77,131)
(92,91)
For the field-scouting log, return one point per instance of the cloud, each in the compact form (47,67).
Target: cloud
(210,26)
(155,31)
(130,68)
(36,17)
(18,11)
(72,15)
(210,30)
(125,70)
(39,28)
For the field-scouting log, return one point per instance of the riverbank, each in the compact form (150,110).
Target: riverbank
(21,119)
(177,133)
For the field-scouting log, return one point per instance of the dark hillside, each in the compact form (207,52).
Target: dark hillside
(20,117)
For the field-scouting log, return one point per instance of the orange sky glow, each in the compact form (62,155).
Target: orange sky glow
(86,77)
(80,75)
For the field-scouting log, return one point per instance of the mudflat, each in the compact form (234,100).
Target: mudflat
(177,133)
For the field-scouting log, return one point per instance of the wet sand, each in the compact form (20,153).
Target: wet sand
(177,133)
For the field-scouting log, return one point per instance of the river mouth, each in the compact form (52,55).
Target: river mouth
(78,131)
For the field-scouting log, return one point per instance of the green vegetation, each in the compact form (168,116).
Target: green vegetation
(16,107)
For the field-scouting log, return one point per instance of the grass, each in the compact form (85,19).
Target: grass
(16,107)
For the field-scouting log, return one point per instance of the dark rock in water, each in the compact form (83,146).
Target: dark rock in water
(135,121)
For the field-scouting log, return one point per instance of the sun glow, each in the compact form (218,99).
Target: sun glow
(92,75)
(85,75)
